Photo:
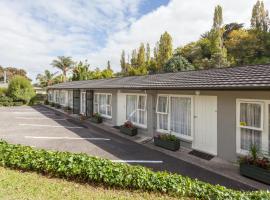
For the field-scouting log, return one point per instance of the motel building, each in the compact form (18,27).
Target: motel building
(221,112)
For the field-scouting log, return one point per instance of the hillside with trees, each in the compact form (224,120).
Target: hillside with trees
(222,46)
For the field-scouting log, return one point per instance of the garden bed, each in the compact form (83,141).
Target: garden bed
(167,144)
(167,141)
(254,172)
(128,131)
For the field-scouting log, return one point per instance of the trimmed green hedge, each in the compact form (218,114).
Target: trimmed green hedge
(8,101)
(81,167)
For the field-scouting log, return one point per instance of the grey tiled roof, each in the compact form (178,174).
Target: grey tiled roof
(245,77)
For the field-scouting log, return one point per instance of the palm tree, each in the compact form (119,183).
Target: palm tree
(64,64)
(45,79)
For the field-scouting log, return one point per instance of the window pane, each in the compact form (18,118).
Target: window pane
(109,110)
(109,99)
(162,104)
(141,115)
(95,108)
(180,115)
(102,104)
(141,103)
(162,121)
(131,108)
(250,115)
(250,137)
(96,98)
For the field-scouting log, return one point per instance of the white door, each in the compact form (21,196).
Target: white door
(83,102)
(205,124)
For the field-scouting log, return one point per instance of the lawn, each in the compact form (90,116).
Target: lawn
(24,185)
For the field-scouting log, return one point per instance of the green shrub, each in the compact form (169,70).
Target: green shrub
(20,89)
(46,102)
(3,92)
(167,137)
(81,167)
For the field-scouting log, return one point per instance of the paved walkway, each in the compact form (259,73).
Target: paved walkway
(45,128)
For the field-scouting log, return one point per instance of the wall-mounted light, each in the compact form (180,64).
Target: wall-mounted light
(197,92)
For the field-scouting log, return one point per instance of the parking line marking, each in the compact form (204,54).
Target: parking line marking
(64,138)
(138,161)
(41,118)
(52,126)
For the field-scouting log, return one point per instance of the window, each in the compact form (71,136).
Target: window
(103,104)
(62,97)
(174,114)
(50,95)
(136,109)
(162,112)
(251,124)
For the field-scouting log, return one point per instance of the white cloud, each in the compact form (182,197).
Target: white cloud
(34,32)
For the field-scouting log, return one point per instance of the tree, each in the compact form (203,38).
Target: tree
(81,71)
(218,52)
(11,72)
(64,64)
(108,65)
(177,63)
(45,79)
(165,49)
(148,53)
(20,89)
(260,17)
(134,57)
(141,56)
(228,28)
(218,17)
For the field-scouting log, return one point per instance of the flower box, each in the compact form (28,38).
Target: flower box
(172,145)
(96,120)
(254,172)
(128,131)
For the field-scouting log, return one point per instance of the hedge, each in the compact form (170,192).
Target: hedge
(8,101)
(84,168)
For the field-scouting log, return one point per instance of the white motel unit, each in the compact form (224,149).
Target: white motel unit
(218,111)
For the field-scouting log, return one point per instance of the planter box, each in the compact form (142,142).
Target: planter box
(166,144)
(128,131)
(96,120)
(255,173)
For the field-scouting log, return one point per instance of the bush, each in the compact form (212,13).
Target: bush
(7,101)
(81,167)
(167,137)
(3,92)
(20,89)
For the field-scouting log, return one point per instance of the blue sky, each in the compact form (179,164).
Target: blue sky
(33,33)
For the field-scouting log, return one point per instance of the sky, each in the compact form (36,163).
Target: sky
(33,33)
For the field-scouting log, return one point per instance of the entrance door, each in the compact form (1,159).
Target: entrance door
(89,103)
(83,103)
(205,122)
(76,101)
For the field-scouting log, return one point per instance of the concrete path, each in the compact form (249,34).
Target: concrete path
(45,128)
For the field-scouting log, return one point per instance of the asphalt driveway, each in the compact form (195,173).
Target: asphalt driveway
(41,127)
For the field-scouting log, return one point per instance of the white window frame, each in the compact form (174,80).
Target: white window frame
(96,104)
(181,136)
(138,109)
(264,124)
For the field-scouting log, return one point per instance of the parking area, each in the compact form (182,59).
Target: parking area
(41,127)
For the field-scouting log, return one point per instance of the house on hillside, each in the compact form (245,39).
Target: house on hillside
(216,111)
